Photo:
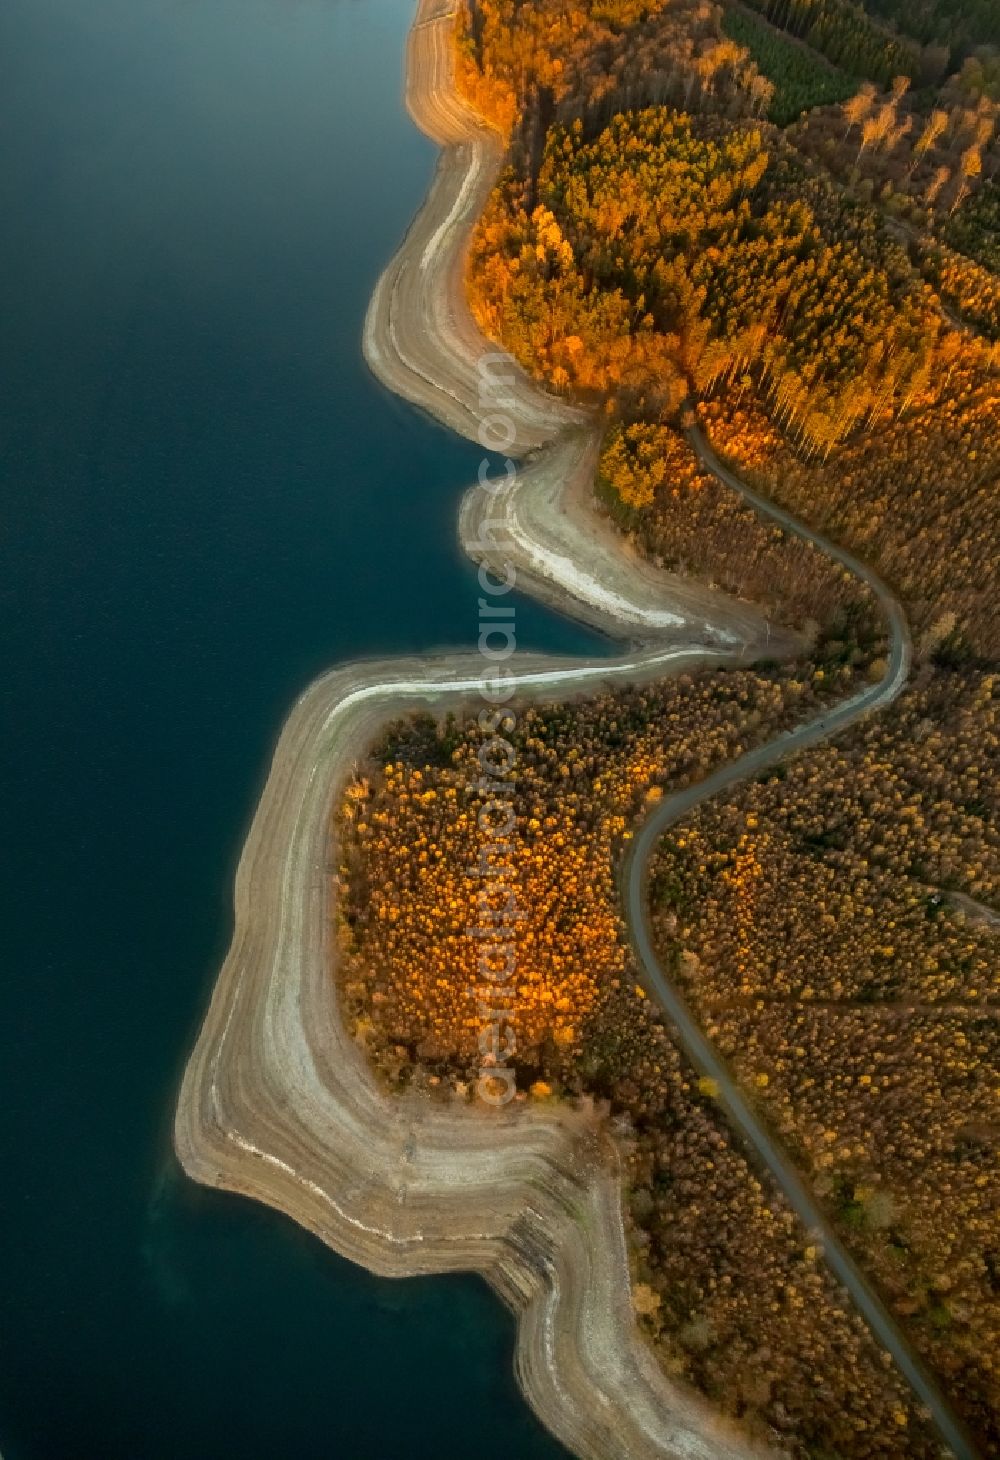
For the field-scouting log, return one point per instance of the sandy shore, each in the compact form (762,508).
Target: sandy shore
(421,341)
(277,1102)
(569,554)
(419,338)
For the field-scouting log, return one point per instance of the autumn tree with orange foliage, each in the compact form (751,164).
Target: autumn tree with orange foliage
(573,60)
(655,254)
(411,845)
(661,260)
(718,1258)
(918,497)
(689,522)
(837,928)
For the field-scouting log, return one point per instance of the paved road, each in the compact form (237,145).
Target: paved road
(700,1051)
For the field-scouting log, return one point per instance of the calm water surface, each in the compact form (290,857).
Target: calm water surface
(206,501)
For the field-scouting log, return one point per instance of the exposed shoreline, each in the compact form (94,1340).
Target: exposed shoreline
(277,1102)
(421,342)
(569,555)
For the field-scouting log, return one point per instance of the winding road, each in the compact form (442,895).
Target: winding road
(277,1101)
(703,1055)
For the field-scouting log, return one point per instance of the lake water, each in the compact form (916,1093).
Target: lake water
(206,501)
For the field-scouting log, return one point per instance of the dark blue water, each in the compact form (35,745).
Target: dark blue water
(205,501)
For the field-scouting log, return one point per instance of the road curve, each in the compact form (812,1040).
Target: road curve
(700,1051)
(277,1102)
(743,1117)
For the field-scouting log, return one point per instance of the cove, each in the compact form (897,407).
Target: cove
(206,502)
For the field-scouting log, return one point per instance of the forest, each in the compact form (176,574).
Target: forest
(702,529)
(670,257)
(832,926)
(801,77)
(974,230)
(917,497)
(959,25)
(846,35)
(718,1258)
(410,835)
(805,290)
(776,222)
